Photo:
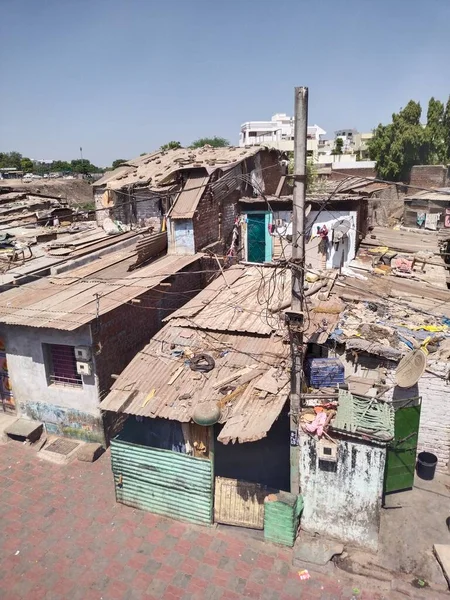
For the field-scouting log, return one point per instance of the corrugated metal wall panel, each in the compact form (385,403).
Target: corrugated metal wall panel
(163,482)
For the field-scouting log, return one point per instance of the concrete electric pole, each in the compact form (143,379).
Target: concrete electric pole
(295,315)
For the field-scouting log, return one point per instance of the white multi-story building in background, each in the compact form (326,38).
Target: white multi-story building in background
(279,133)
(355,146)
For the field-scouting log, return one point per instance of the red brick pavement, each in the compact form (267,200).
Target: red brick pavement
(63,537)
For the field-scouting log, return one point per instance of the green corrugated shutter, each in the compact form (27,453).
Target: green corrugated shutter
(163,482)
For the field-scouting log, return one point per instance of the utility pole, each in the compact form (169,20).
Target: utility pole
(295,316)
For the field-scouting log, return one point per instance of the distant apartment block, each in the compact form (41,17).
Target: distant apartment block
(279,133)
(355,147)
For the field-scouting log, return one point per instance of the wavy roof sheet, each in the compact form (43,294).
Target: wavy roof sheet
(249,418)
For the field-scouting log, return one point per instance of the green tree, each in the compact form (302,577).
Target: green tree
(171,146)
(10,160)
(215,142)
(118,162)
(26,165)
(398,146)
(83,166)
(446,125)
(61,166)
(434,150)
(338,146)
(312,175)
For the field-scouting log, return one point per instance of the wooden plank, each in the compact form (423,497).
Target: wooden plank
(233,376)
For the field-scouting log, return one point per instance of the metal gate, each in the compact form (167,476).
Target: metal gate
(161,481)
(239,503)
(401,455)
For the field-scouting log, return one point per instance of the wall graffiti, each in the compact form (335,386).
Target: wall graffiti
(66,421)
(6,392)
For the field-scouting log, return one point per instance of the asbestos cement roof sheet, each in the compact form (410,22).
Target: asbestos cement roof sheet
(158,383)
(243,300)
(73,299)
(160,168)
(187,201)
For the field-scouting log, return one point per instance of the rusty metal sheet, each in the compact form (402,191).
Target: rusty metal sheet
(248,418)
(67,307)
(250,301)
(187,200)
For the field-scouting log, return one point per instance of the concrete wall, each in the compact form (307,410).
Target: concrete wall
(64,410)
(180,236)
(346,250)
(343,499)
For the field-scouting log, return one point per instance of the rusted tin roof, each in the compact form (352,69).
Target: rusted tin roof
(244,300)
(77,297)
(248,418)
(187,201)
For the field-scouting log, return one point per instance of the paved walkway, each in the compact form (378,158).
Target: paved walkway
(63,537)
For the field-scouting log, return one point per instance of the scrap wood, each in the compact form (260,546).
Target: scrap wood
(175,375)
(249,376)
(326,293)
(269,383)
(228,397)
(218,384)
(149,397)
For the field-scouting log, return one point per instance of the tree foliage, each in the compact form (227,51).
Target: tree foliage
(405,142)
(83,166)
(10,160)
(173,145)
(338,146)
(26,165)
(446,124)
(118,162)
(215,142)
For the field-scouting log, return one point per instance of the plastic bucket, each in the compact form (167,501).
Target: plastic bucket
(426,465)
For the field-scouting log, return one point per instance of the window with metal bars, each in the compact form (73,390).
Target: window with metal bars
(61,365)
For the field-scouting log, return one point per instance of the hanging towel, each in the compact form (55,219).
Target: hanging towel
(431,220)
(420,218)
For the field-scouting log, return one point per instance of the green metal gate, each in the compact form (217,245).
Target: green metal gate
(402,451)
(164,482)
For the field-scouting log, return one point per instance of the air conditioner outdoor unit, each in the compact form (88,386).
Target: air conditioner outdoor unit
(82,353)
(84,368)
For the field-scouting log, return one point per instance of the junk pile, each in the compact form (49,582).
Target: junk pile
(390,330)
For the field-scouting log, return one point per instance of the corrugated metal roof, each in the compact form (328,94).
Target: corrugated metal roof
(159,168)
(247,419)
(187,201)
(247,302)
(439,194)
(65,302)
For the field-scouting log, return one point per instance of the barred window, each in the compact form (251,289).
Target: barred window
(61,365)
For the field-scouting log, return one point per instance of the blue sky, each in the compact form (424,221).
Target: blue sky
(120,77)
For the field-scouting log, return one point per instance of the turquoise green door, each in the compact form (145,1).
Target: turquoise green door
(401,455)
(256,238)
(259,240)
